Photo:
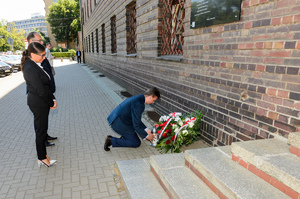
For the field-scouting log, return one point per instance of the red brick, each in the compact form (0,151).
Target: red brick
(254,2)
(285,3)
(262,112)
(280,53)
(297,18)
(261,67)
(273,115)
(284,94)
(295,150)
(253,169)
(297,105)
(265,105)
(287,19)
(248,25)
(259,45)
(273,60)
(235,158)
(298,45)
(276,21)
(278,45)
(268,45)
(261,38)
(274,100)
(259,53)
(264,176)
(245,4)
(271,91)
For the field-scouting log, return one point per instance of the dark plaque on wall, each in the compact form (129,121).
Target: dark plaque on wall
(212,12)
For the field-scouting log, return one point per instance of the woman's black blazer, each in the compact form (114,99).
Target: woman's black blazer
(38,84)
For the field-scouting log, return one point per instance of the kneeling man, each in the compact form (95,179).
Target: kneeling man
(126,120)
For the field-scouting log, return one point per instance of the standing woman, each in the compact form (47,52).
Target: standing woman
(40,98)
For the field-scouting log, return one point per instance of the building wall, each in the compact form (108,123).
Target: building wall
(50,35)
(244,76)
(35,22)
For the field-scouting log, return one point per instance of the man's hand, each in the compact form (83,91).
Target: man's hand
(54,106)
(150,135)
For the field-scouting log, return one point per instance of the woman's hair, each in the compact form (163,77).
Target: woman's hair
(33,47)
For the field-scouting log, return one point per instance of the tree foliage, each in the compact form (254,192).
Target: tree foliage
(64,20)
(16,34)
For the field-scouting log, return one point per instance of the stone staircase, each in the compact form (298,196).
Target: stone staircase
(260,169)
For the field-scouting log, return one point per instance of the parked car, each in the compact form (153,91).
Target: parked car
(13,60)
(5,69)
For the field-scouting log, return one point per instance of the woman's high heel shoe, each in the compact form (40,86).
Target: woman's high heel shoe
(52,162)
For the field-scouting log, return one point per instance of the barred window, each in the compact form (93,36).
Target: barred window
(103,38)
(113,35)
(172,27)
(89,43)
(92,42)
(97,41)
(131,28)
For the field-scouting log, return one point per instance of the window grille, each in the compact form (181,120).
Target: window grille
(172,27)
(97,41)
(113,35)
(89,43)
(92,42)
(103,38)
(131,28)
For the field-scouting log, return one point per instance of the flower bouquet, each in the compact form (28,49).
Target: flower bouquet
(175,130)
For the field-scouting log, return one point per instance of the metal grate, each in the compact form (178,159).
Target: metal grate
(92,42)
(131,28)
(97,41)
(113,35)
(172,27)
(103,38)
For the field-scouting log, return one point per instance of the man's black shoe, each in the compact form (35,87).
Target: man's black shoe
(107,143)
(49,143)
(51,138)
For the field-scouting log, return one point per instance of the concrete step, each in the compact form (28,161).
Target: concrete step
(226,178)
(271,160)
(294,141)
(138,180)
(177,180)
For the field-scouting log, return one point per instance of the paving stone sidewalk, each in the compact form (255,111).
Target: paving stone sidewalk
(84,169)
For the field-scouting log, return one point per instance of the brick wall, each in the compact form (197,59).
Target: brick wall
(244,76)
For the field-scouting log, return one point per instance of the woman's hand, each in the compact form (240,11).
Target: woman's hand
(54,106)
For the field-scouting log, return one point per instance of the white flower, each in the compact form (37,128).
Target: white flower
(176,130)
(177,119)
(163,118)
(191,124)
(180,123)
(175,126)
(185,132)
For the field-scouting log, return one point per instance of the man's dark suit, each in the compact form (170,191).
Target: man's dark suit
(47,67)
(39,99)
(125,119)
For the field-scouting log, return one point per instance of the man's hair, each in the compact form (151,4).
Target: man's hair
(152,92)
(31,36)
(48,43)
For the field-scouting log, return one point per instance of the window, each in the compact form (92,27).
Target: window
(131,28)
(97,41)
(113,35)
(89,50)
(103,38)
(92,42)
(172,27)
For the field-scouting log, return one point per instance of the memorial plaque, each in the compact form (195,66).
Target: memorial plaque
(212,12)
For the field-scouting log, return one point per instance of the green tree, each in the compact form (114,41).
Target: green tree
(15,34)
(64,20)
